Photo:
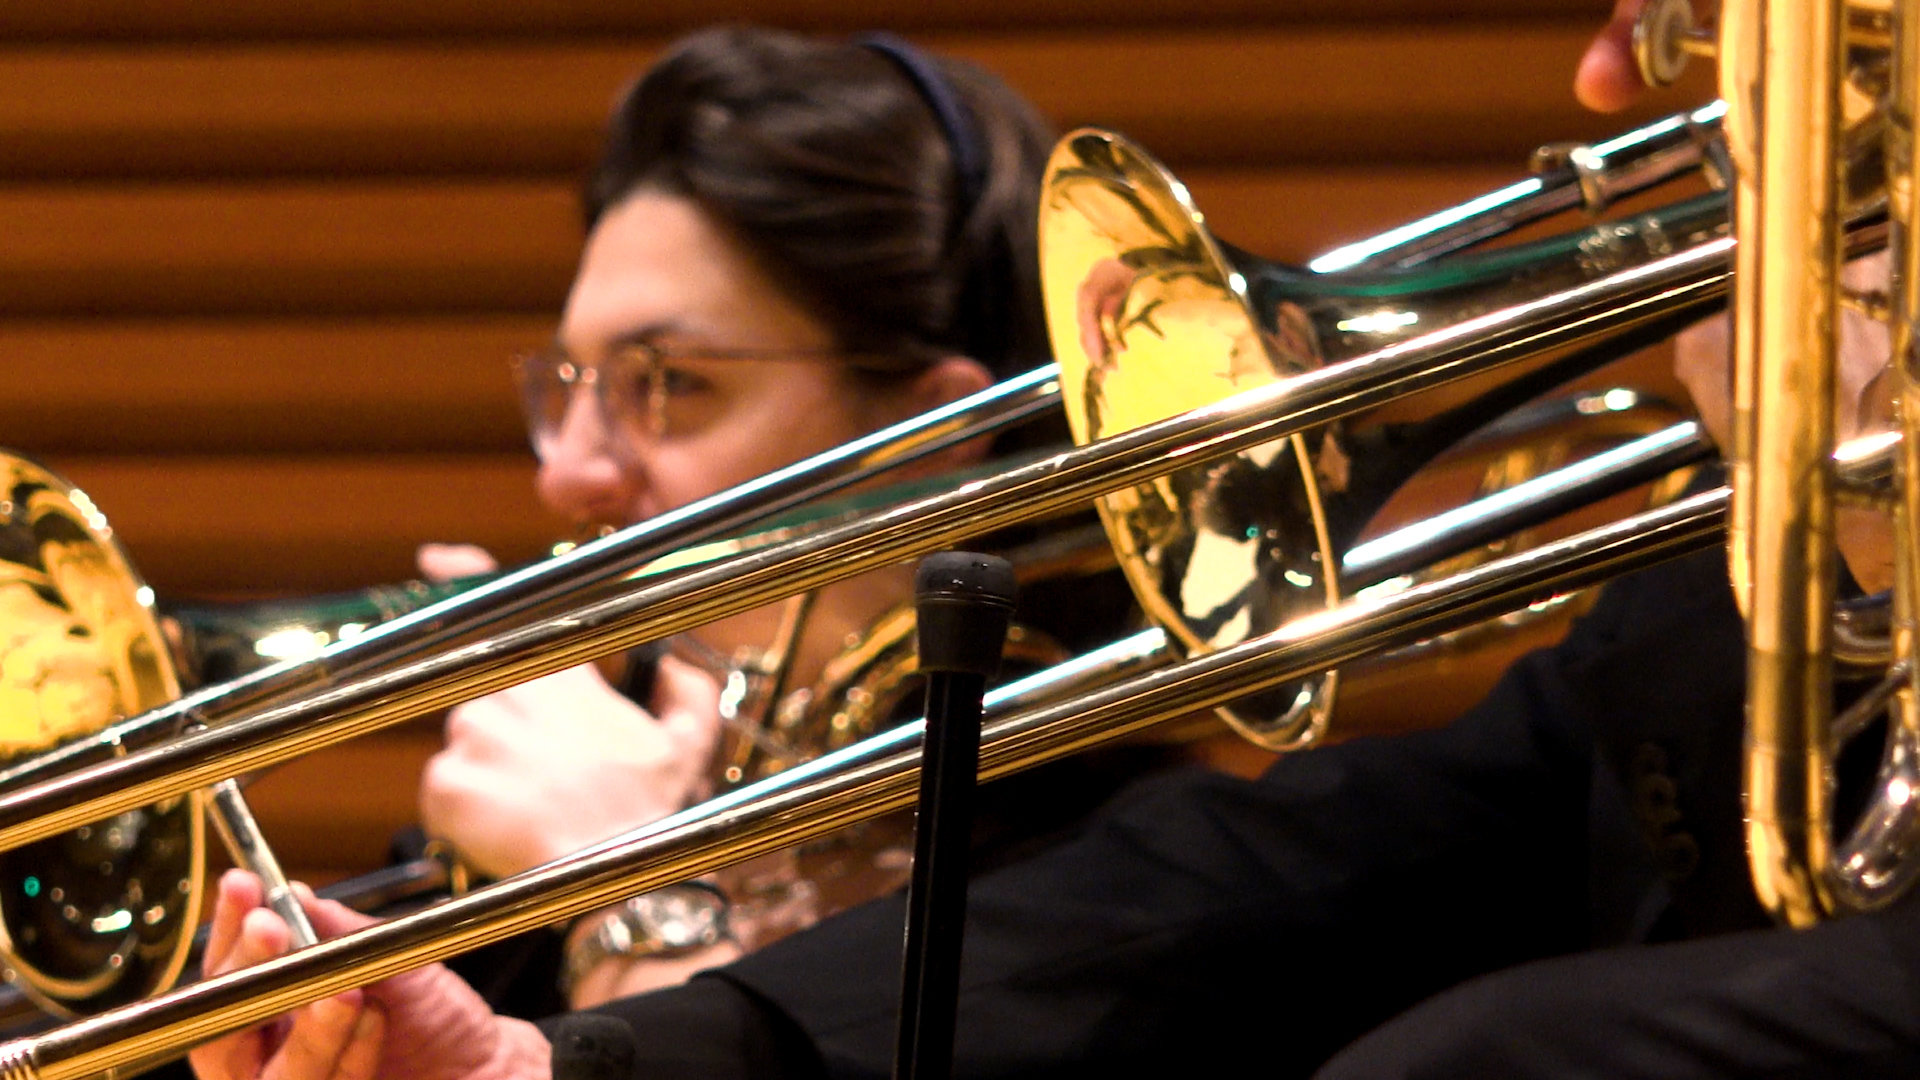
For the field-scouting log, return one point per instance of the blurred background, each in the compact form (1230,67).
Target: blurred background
(261,265)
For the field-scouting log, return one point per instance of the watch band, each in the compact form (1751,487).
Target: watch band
(670,921)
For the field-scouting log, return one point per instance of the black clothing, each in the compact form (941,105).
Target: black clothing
(1838,1002)
(1204,921)
(709,1029)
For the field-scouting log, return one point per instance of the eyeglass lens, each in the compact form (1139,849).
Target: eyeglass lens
(632,389)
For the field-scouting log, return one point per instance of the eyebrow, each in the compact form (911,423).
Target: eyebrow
(643,334)
(646,334)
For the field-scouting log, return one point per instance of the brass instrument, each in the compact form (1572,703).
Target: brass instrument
(1810,88)
(1150,316)
(107,912)
(1281,432)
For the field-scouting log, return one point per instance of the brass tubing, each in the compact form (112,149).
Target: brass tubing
(1061,481)
(1008,403)
(1739,52)
(1876,864)
(822,797)
(1795,236)
(1593,177)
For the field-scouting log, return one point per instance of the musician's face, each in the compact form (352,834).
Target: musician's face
(658,271)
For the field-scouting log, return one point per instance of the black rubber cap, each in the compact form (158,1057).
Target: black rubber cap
(593,1046)
(962,604)
(965,575)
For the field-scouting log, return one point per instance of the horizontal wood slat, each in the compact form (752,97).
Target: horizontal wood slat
(144,20)
(1261,96)
(298,385)
(220,525)
(297,248)
(402,385)
(415,247)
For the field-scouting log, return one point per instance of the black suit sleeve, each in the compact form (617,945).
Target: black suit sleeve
(711,1029)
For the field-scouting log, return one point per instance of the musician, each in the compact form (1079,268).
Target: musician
(1205,923)
(791,243)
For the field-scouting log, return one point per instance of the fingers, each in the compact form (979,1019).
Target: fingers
(325,1036)
(1608,80)
(361,1059)
(444,562)
(237,893)
(451,789)
(331,918)
(236,1057)
(475,728)
(261,937)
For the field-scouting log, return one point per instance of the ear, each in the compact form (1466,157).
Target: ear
(947,379)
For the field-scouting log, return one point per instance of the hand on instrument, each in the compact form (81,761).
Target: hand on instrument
(424,1025)
(548,767)
(552,765)
(1608,80)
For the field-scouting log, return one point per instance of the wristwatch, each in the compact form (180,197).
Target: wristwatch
(670,921)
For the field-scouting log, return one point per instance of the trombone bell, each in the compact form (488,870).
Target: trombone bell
(102,914)
(1149,320)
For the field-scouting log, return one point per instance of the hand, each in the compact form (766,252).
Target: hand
(548,767)
(424,1025)
(1608,80)
(446,562)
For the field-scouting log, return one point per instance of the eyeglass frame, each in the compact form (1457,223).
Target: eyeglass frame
(572,374)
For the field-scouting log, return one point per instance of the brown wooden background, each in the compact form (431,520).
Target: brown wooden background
(260,264)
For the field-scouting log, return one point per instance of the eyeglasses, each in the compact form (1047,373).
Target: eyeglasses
(642,395)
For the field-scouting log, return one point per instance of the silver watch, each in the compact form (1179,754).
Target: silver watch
(669,921)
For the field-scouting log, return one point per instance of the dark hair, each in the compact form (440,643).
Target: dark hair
(827,163)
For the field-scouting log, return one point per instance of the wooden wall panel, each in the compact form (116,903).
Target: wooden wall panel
(229,524)
(1273,96)
(273,386)
(201,20)
(331,814)
(304,248)
(403,249)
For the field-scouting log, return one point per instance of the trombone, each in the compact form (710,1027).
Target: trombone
(1668,273)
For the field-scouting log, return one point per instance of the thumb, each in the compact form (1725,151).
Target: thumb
(444,562)
(1608,79)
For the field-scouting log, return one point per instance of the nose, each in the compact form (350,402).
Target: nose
(582,476)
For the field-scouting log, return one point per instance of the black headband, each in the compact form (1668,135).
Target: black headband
(956,121)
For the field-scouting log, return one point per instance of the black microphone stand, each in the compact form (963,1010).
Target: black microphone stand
(963,603)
